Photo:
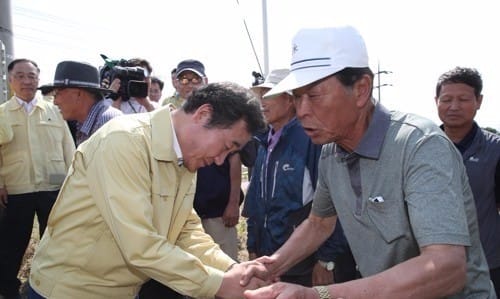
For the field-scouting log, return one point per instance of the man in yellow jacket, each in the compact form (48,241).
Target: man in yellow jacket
(125,211)
(34,158)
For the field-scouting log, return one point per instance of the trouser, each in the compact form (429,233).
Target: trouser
(345,268)
(225,237)
(495,278)
(155,290)
(33,295)
(15,233)
(304,279)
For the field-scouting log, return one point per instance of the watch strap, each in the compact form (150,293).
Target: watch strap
(323,292)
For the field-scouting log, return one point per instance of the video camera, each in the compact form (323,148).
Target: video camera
(132,78)
(258,78)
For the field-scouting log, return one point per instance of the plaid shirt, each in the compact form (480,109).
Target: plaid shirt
(99,114)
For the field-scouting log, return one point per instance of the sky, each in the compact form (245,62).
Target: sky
(413,41)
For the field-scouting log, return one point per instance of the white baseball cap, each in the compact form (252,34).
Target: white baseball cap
(320,52)
(274,77)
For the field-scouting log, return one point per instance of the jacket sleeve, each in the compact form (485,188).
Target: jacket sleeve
(6,133)
(119,175)
(68,145)
(195,241)
(249,210)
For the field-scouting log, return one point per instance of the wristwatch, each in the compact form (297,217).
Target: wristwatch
(323,292)
(329,266)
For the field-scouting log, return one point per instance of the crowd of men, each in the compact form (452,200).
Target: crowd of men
(138,195)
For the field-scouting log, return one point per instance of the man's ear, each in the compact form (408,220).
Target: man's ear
(203,114)
(479,101)
(362,90)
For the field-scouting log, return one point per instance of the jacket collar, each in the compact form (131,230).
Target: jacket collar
(13,105)
(162,135)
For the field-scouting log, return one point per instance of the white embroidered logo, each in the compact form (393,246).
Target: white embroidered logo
(473,159)
(287,167)
(376,199)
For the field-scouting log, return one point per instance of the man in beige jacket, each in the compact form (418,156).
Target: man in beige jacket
(125,211)
(34,160)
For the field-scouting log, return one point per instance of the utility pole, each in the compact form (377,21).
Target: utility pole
(379,84)
(6,47)
(265,38)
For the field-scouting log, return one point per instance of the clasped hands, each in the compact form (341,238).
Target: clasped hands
(259,279)
(249,275)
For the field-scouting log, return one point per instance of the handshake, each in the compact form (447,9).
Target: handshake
(249,275)
(258,279)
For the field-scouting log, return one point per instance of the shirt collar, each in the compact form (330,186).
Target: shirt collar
(28,106)
(371,143)
(466,142)
(175,141)
(86,126)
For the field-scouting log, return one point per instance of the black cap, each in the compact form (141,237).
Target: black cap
(191,65)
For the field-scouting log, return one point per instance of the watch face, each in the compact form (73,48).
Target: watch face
(330,266)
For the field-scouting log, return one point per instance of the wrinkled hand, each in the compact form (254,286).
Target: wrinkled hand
(261,267)
(231,287)
(146,103)
(282,290)
(3,197)
(115,85)
(231,214)
(321,276)
(105,83)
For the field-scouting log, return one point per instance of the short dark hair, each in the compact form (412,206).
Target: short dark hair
(230,102)
(11,65)
(350,75)
(140,62)
(158,81)
(468,76)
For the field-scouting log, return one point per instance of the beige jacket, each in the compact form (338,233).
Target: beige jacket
(5,129)
(40,151)
(125,214)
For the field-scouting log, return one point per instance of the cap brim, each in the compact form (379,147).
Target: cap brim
(300,78)
(264,85)
(48,88)
(192,70)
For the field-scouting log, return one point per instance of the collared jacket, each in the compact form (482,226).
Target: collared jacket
(40,151)
(481,161)
(5,129)
(125,214)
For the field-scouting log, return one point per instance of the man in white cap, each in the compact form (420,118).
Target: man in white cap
(394,179)
(280,193)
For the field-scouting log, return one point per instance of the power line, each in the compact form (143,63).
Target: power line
(379,84)
(250,39)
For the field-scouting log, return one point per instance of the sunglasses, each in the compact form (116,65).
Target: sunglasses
(194,80)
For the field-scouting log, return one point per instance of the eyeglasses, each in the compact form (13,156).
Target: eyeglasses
(22,76)
(194,80)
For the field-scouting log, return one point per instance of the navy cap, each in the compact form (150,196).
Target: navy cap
(191,65)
